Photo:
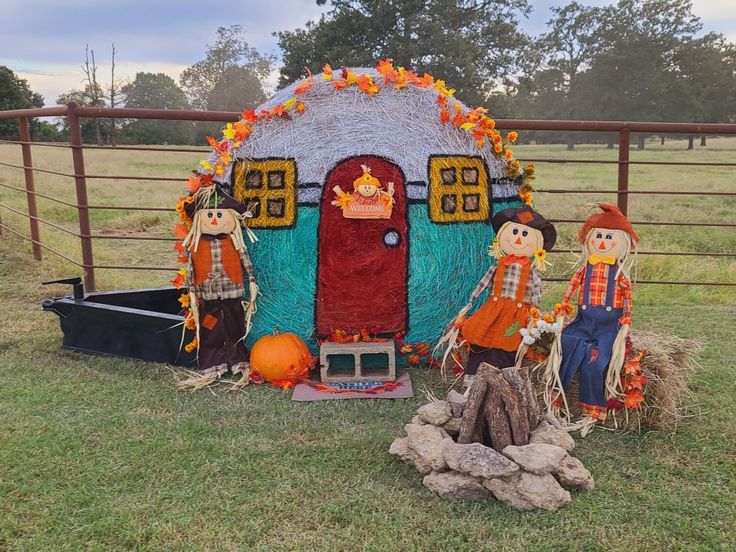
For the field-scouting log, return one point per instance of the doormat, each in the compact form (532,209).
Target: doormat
(317,391)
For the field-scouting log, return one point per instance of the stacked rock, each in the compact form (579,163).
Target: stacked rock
(536,475)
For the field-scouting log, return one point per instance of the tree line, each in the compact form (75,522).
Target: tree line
(631,60)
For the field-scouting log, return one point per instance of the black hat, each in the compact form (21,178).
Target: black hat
(528,217)
(217,200)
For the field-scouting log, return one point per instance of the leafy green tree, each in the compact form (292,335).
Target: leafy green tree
(630,76)
(704,87)
(237,88)
(87,98)
(471,44)
(231,60)
(155,91)
(15,94)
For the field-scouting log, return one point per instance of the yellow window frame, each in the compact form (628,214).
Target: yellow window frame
(465,195)
(265,192)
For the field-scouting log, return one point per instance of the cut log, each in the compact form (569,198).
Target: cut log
(515,401)
(471,425)
(495,413)
(535,414)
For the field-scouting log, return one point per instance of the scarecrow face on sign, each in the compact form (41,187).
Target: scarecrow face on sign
(367,185)
(519,239)
(606,242)
(217,221)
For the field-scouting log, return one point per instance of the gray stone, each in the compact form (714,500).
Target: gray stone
(456,486)
(504,489)
(550,419)
(457,402)
(546,433)
(401,449)
(543,491)
(477,460)
(426,442)
(435,413)
(573,475)
(452,426)
(538,458)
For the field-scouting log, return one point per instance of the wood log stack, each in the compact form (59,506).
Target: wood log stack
(501,410)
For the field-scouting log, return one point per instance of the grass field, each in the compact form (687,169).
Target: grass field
(104,454)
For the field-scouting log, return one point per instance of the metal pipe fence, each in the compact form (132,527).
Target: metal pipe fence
(74,113)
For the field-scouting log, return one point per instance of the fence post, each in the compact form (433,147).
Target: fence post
(80,179)
(25,137)
(624,137)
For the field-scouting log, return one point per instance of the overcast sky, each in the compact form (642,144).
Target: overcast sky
(43,40)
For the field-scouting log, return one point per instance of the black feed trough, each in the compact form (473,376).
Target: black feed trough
(145,324)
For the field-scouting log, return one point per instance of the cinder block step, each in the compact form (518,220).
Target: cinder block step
(359,372)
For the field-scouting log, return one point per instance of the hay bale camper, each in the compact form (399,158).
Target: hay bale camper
(320,270)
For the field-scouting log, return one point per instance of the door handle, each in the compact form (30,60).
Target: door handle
(391,238)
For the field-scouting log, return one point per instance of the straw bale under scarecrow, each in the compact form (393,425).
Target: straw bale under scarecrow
(445,167)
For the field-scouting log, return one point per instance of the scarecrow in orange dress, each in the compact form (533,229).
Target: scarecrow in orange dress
(492,332)
(218,257)
(594,343)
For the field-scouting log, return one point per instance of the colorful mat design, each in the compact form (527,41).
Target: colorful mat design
(317,391)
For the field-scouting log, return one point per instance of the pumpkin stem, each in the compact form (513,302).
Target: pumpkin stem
(276,331)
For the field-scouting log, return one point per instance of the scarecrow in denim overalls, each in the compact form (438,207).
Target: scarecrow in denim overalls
(594,343)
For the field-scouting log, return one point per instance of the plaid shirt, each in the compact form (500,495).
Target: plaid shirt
(510,284)
(622,298)
(217,285)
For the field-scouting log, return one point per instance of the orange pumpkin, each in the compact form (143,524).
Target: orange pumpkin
(281,359)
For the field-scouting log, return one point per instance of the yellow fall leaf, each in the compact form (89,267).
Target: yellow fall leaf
(229,131)
(206,165)
(288,104)
(467,126)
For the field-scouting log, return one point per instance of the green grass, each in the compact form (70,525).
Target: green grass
(104,454)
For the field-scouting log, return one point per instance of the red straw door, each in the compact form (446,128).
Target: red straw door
(362,266)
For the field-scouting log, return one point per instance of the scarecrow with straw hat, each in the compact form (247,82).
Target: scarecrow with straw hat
(594,343)
(218,259)
(492,332)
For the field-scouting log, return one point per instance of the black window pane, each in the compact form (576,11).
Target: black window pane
(449,176)
(276,180)
(449,203)
(253,204)
(276,207)
(470,176)
(253,179)
(471,203)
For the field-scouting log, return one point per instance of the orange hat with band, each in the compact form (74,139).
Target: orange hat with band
(611,219)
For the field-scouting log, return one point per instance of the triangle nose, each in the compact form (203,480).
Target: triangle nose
(518,241)
(602,246)
(214,222)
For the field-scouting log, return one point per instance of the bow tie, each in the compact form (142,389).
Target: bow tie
(511,259)
(595,259)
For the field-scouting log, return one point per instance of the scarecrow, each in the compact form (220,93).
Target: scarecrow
(492,332)
(368,200)
(218,257)
(594,343)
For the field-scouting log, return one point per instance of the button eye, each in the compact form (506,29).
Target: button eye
(599,235)
(609,236)
(209,215)
(219,214)
(525,233)
(515,231)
